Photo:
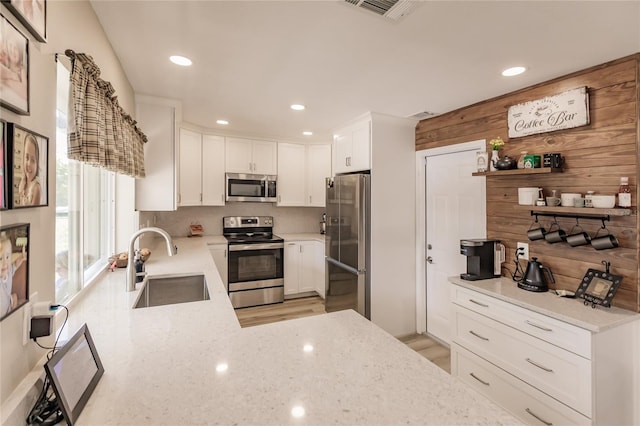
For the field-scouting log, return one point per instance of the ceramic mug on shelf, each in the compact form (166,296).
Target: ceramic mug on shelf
(566,199)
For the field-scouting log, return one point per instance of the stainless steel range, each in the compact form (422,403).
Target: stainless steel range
(255,261)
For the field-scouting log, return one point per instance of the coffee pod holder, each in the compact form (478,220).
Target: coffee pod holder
(598,287)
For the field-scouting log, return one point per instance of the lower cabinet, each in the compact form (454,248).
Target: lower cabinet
(219,254)
(302,270)
(542,370)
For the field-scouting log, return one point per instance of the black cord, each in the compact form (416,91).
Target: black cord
(518,274)
(66,318)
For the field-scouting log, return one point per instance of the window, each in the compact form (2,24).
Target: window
(84,209)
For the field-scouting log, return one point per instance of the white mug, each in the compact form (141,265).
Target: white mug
(567,198)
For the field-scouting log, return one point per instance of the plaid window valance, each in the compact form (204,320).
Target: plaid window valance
(99,131)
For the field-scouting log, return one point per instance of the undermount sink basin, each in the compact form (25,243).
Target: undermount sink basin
(170,289)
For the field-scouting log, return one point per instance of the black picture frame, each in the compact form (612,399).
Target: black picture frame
(32,14)
(598,288)
(4,169)
(28,188)
(14,68)
(74,372)
(14,275)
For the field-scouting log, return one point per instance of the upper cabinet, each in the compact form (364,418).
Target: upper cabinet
(201,169)
(302,170)
(251,156)
(157,190)
(352,147)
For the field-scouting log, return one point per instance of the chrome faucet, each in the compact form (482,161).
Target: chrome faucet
(131,270)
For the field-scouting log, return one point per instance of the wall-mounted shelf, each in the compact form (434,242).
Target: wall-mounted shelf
(587,211)
(538,171)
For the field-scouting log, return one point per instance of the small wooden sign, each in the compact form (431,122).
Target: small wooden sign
(565,110)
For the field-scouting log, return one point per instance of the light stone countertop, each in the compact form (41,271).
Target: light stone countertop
(161,363)
(572,311)
(303,237)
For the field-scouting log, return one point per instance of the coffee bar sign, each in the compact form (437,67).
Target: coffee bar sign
(562,111)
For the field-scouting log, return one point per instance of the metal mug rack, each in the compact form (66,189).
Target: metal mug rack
(603,217)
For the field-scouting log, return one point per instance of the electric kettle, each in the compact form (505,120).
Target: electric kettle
(534,278)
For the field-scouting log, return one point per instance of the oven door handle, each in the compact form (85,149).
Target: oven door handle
(244,247)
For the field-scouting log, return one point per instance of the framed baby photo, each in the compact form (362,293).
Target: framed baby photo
(28,162)
(4,202)
(14,68)
(14,268)
(32,14)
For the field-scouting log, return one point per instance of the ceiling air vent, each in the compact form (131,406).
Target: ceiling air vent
(423,115)
(390,9)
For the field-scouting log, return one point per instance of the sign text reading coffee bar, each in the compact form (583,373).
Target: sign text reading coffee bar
(562,111)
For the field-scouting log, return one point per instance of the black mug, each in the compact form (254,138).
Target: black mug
(604,242)
(556,236)
(579,238)
(553,160)
(536,233)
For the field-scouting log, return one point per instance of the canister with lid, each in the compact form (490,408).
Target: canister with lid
(588,202)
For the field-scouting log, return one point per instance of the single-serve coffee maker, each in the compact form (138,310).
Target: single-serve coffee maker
(484,259)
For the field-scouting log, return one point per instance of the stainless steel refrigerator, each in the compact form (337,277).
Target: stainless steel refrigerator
(347,239)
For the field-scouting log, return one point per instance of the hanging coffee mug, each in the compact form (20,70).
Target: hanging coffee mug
(576,239)
(536,233)
(556,235)
(603,242)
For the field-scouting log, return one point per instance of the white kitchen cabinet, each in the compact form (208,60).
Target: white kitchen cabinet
(219,254)
(157,190)
(302,170)
(352,147)
(251,156)
(539,368)
(299,267)
(319,268)
(201,169)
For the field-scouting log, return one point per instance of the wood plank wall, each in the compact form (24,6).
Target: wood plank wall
(596,156)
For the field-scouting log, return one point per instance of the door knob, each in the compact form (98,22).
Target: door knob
(429,259)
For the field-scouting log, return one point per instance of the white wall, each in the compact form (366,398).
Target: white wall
(71,25)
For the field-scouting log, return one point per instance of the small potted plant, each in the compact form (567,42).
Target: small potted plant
(496,144)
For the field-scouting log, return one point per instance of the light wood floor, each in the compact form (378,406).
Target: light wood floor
(307,306)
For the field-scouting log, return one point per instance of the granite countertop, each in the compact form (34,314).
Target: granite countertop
(572,311)
(303,237)
(191,363)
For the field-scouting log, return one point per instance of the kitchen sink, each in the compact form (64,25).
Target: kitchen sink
(171,289)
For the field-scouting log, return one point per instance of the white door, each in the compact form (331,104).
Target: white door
(318,169)
(265,157)
(238,155)
(291,174)
(455,210)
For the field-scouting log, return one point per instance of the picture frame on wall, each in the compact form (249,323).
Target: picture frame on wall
(32,14)
(14,268)
(4,186)
(28,162)
(14,68)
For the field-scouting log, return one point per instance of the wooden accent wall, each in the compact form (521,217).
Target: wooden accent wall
(596,156)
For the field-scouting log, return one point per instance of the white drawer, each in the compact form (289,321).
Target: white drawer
(523,401)
(561,374)
(561,334)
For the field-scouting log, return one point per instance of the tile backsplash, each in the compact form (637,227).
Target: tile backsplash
(287,220)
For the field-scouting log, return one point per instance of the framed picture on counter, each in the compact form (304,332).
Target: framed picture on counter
(4,201)
(14,68)
(29,167)
(14,268)
(32,14)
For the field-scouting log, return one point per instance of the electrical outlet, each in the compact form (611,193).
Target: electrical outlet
(524,251)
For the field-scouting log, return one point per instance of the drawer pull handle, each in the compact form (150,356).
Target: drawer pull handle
(537,417)
(532,324)
(542,367)
(478,303)
(479,379)
(478,336)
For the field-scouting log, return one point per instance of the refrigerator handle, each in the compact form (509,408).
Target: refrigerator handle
(345,266)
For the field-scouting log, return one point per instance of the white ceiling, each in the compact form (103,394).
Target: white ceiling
(252,59)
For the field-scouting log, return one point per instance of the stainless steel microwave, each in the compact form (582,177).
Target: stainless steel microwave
(256,188)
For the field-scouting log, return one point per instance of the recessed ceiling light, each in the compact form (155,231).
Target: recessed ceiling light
(223,122)
(298,411)
(510,72)
(297,107)
(222,367)
(307,133)
(307,348)
(180,60)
